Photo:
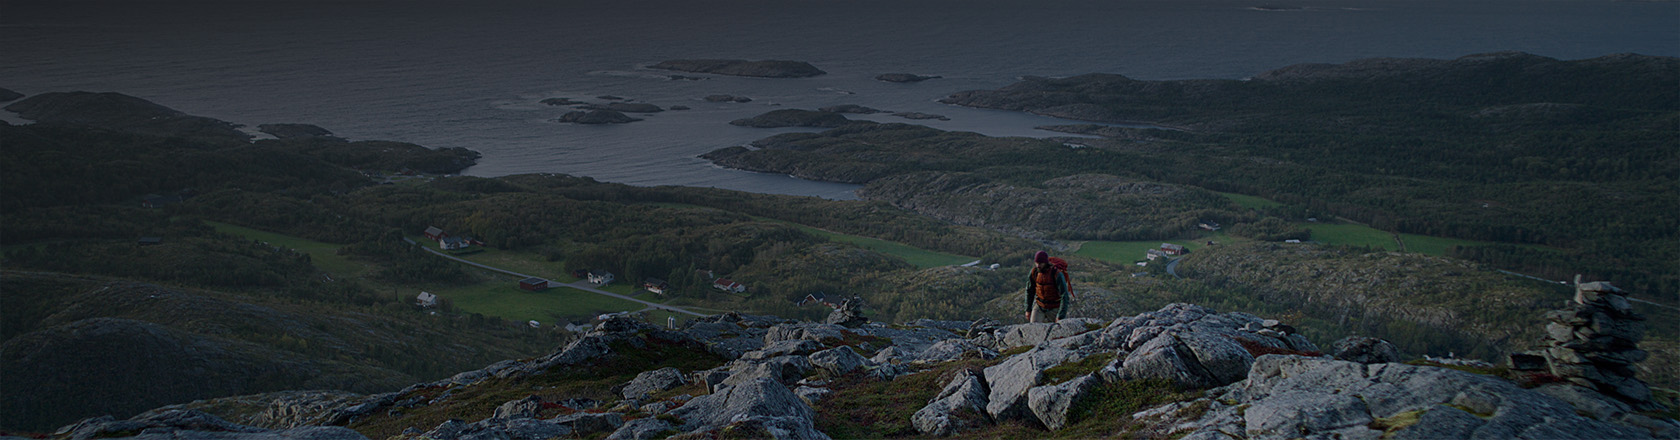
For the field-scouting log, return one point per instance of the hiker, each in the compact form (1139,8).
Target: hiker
(1048,293)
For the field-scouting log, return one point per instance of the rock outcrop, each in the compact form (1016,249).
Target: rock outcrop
(193,425)
(850,314)
(1364,350)
(767,388)
(762,69)
(1594,343)
(960,406)
(1289,396)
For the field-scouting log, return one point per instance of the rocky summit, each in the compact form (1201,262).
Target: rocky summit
(1184,371)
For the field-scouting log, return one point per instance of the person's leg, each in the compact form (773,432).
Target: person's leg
(1041,314)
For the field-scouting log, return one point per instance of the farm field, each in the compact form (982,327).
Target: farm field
(918,257)
(503,298)
(322,255)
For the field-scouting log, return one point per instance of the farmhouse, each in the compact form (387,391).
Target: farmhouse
(1152,254)
(1172,249)
(655,285)
(600,277)
(726,285)
(453,243)
(157,201)
(434,233)
(817,298)
(426,300)
(533,284)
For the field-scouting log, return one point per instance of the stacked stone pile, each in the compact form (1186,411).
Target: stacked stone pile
(1594,343)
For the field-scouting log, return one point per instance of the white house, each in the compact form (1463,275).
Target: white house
(600,277)
(453,243)
(726,285)
(426,299)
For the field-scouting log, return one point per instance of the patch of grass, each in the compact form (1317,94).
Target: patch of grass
(323,255)
(1668,398)
(1073,370)
(865,407)
(1107,410)
(1495,371)
(592,381)
(1352,235)
(502,297)
(1397,421)
(1483,416)
(1014,351)
(921,258)
(866,345)
(1250,202)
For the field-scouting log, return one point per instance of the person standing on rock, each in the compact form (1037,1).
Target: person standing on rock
(1048,291)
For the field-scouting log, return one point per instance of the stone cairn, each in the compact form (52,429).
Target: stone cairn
(1593,342)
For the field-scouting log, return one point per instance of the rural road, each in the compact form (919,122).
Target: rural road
(580,285)
(1172,267)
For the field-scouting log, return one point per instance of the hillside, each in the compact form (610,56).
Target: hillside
(1180,371)
(307,254)
(1506,148)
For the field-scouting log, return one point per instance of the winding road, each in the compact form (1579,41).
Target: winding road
(580,285)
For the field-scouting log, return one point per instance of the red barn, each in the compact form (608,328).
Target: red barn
(533,284)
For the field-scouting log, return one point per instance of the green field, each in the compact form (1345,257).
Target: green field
(1250,202)
(503,297)
(918,257)
(322,255)
(1352,234)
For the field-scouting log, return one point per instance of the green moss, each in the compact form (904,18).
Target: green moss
(1014,351)
(593,380)
(1497,371)
(1107,409)
(1072,370)
(1467,409)
(1398,421)
(865,407)
(1668,398)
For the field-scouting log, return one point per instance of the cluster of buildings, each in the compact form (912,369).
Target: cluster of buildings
(448,242)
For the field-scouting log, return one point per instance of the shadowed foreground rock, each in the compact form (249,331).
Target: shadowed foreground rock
(776,370)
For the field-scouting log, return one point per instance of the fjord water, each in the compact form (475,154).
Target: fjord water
(471,74)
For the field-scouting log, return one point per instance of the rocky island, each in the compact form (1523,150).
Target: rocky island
(903,77)
(793,118)
(594,117)
(760,69)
